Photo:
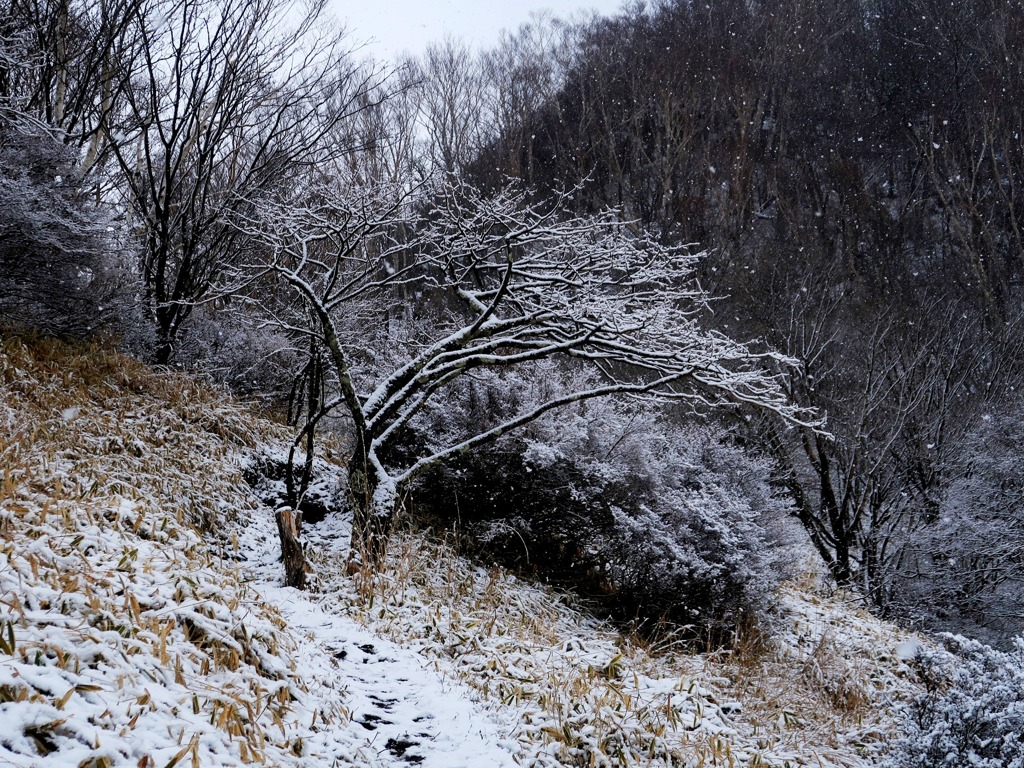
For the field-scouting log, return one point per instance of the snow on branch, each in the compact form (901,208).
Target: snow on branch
(497,282)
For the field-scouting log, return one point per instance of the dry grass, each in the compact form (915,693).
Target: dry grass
(583,694)
(117,428)
(823,673)
(109,471)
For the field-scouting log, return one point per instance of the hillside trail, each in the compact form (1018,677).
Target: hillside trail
(402,710)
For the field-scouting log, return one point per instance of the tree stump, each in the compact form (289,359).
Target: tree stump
(289,525)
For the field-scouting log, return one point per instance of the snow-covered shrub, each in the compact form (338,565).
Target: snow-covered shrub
(972,710)
(548,520)
(963,572)
(51,245)
(234,348)
(655,518)
(266,474)
(705,532)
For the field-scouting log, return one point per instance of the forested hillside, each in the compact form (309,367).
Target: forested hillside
(853,171)
(664,309)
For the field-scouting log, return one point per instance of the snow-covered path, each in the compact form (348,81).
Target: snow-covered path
(402,712)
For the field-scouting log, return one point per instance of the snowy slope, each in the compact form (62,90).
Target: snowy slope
(401,711)
(129,641)
(572,691)
(132,635)
(143,621)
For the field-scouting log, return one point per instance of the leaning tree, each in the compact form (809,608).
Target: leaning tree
(506,283)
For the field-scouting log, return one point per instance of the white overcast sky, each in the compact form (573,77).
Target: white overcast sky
(392,27)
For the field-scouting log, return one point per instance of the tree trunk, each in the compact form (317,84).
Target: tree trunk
(288,527)
(164,351)
(164,321)
(373,503)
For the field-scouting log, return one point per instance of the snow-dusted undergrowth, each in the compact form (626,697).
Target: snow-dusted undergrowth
(127,639)
(142,621)
(573,691)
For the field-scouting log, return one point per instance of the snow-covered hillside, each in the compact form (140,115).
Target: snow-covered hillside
(144,622)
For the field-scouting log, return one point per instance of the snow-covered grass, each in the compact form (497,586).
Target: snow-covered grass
(128,640)
(143,621)
(813,686)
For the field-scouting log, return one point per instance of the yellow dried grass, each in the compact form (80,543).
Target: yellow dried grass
(810,705)
(89,437)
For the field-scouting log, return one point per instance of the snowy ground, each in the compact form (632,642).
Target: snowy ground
(143,623)
(533,677)
(401,711)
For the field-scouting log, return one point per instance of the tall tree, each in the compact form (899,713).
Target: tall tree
(226,99)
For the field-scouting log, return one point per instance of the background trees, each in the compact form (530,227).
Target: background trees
(51,248)
(969,557)
(54,246)
(175,112)
(61,59)
(853,170)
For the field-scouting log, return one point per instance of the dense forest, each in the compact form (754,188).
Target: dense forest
(655,297)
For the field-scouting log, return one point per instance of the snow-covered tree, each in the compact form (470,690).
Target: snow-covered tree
(509,284)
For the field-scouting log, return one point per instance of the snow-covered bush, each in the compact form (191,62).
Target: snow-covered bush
(963,571)
(707,532)
(972,710)
(652,517)
(51,245)
(233,347)
(266,473)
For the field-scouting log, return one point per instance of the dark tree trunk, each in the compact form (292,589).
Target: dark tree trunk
(165,335)
(164,350)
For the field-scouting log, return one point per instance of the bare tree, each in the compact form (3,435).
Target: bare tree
(60,60)
(453,105)
(225,100)
(511,284)
(899,395)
